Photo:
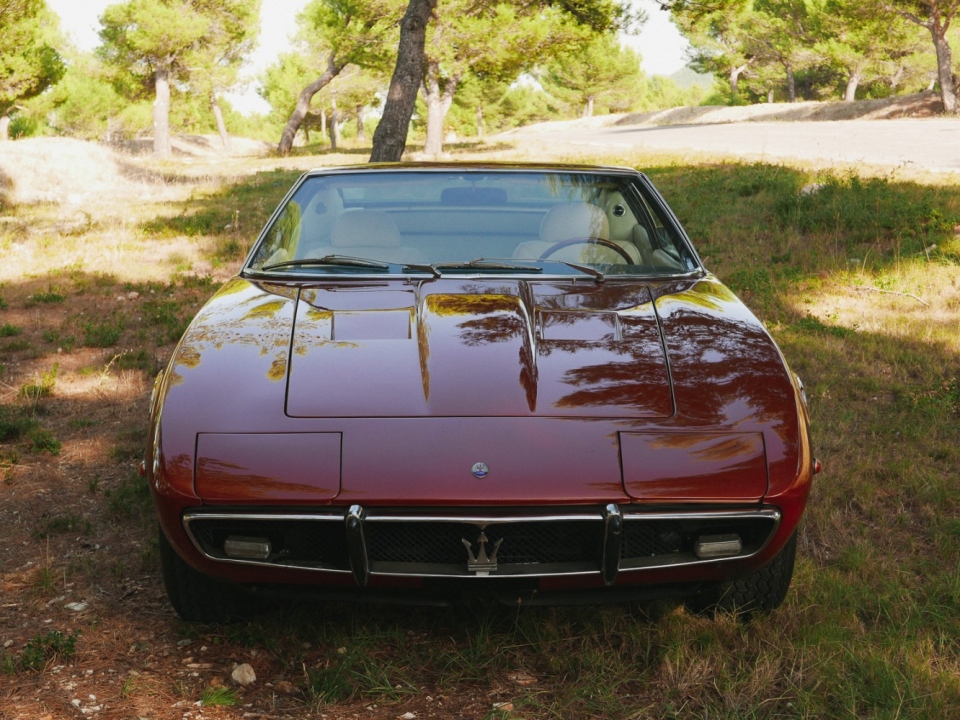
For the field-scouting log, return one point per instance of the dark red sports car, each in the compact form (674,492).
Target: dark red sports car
(431,381)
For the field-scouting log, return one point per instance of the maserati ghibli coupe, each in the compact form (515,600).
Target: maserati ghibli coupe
(435,381)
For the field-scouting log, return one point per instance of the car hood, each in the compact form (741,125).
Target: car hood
(443,373)
(478,348)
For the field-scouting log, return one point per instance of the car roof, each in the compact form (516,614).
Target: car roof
(472,167)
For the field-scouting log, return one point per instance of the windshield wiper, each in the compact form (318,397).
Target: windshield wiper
(344,260)
(422,268)
(483,264)
(586,269)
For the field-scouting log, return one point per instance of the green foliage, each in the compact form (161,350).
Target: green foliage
(754,281)
(139,34)
(810,324)
(52,295)
(138,360)
(29,64)
(23,126)
(219,696)
(599,78)
(69,523)
(84,103)
(8,330)
(42,440)
(863,210)
(104,334)
(130,499)
(14,423)
(46,648)
(281,82)
(43,385)
(167,315)
(198,44)
(824,50)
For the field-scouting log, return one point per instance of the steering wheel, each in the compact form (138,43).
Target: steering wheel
(587,240)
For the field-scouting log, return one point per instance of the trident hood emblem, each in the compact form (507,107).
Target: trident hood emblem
(481,563)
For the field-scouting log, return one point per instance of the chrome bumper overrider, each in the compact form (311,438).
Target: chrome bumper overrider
(527,543)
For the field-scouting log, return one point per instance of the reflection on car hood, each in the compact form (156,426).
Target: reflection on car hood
(478,348)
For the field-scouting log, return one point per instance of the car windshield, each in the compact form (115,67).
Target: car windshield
(472,222)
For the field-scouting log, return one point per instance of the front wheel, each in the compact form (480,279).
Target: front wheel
(762,591)
(195,596)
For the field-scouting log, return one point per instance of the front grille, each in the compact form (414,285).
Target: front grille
(650,541)
(309,543)
(652,538)
(523,543)
(517,543)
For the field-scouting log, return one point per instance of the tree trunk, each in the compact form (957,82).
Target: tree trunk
(221,126)
(479,120)
(323,122)
(303,104)
(334,124)
(850,94)
(769,96)
(4,127)
(588,112)
(735,78)
(390,136)
(948,94)
(361,135)
(897,77)
(438,105)
(791,85)
(161,113)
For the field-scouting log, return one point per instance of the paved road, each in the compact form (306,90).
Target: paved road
(920,144)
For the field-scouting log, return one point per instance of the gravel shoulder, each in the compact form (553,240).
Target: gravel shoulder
(877,133)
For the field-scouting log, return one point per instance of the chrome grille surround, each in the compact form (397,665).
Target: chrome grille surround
(604,541)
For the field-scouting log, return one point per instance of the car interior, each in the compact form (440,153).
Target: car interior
(592,225)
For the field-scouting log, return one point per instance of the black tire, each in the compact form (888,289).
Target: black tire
(762,591)
(197,597)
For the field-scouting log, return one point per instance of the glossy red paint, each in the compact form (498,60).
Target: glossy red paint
(241,468)
(694,466)
(531,349)
(384,393)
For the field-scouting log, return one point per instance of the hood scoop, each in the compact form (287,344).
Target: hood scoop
(459,349)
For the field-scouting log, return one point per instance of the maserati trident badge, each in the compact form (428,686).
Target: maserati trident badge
(480,470)
(481,564)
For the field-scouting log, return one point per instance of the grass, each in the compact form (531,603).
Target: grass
(858,280)
(41,650)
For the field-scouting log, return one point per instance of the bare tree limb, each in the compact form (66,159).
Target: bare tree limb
(867,288)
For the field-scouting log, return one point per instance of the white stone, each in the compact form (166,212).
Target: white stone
(243,675)
(77,606)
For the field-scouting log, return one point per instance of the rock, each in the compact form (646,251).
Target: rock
(408,716)
(503,707)
(243,675)
(77,606)
(522,679)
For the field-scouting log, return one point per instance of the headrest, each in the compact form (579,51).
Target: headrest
(574,220)
(473,196)
(365,227)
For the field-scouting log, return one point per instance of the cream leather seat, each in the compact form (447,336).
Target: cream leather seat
(368,234)
(576,220)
